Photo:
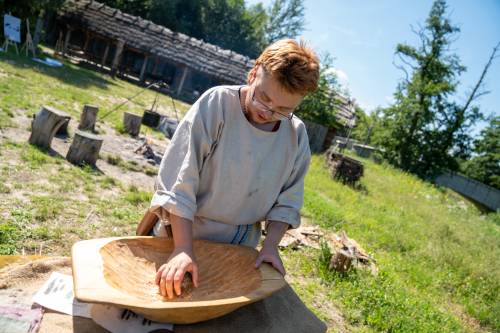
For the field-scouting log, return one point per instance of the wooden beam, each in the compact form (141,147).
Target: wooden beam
(143,69)
(87,40)
(117,58)
(105,56)
(66,40)
(183,78)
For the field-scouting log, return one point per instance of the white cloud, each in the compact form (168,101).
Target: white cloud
(340,74)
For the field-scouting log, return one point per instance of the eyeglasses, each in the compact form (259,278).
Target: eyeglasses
(275,114)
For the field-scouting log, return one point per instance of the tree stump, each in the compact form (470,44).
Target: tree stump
(344,168)
(84,148)
(88,118)
(341,261)
(132,123)
(46,124)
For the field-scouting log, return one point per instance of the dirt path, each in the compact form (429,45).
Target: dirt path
(114,144)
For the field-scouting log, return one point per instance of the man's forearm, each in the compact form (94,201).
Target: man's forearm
(275,232)
(182,231)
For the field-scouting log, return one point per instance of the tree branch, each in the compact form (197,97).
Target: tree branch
(475,91)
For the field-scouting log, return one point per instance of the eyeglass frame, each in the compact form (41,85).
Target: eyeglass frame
(266,108)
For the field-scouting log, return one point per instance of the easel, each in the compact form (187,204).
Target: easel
(28,44)
(8,42)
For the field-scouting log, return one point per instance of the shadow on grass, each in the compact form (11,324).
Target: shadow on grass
(69,73)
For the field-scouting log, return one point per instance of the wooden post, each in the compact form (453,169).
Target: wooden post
(105,56)
(143,69)
(86,43)
(183,78)
(59,44)
(66,41)
(45,125)
(156,66)
(117,58)
(84,149)
(132,123)
(88,118)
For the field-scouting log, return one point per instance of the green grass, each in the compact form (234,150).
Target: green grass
(57,203)
(27,85)
(438,257)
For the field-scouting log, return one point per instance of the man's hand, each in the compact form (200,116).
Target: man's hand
(269,252)
(271,255)
(170,275)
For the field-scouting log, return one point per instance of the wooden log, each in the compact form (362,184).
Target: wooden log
(132,123)
(88,118)
(45,125)
(84,149)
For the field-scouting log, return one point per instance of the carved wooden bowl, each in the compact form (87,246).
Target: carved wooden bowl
(121,271)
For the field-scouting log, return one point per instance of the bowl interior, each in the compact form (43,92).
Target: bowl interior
(225,271)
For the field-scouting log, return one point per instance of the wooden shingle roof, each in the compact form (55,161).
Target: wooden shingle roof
(156,40)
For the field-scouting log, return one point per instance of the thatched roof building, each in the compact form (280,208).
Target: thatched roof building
(139,49)
(134,46)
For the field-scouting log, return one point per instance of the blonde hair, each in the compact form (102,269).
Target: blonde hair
(294,65)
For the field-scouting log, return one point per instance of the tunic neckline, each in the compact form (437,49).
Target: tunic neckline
(256,129)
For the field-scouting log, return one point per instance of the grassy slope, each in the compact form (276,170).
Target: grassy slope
(436,254)
(25,84)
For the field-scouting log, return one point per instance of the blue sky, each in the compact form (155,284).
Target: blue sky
(362,35)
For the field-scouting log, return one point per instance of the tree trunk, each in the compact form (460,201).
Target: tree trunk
(84,149)
(132,123)
(88,118)
(45,124)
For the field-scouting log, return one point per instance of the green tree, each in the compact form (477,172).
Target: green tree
(485,165)
(427,131)
(285,19)
(368,126)
(140,8)
(321,106)
(228,25)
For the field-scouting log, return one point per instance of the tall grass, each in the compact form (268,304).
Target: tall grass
(437,254)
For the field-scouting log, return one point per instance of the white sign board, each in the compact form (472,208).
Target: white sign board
(12,28)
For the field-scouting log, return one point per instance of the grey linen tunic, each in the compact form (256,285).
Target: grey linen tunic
(227,176)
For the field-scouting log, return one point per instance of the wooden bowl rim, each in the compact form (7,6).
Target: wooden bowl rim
(86,256)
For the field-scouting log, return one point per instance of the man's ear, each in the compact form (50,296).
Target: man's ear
(252,75)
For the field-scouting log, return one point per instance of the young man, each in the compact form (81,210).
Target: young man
(238,157)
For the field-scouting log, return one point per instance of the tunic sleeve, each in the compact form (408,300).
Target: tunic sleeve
(287,206)
(193,142)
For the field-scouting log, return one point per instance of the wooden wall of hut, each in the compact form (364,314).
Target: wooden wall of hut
(100,51)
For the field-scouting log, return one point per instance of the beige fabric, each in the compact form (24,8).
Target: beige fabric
(281,312)
(227,175)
